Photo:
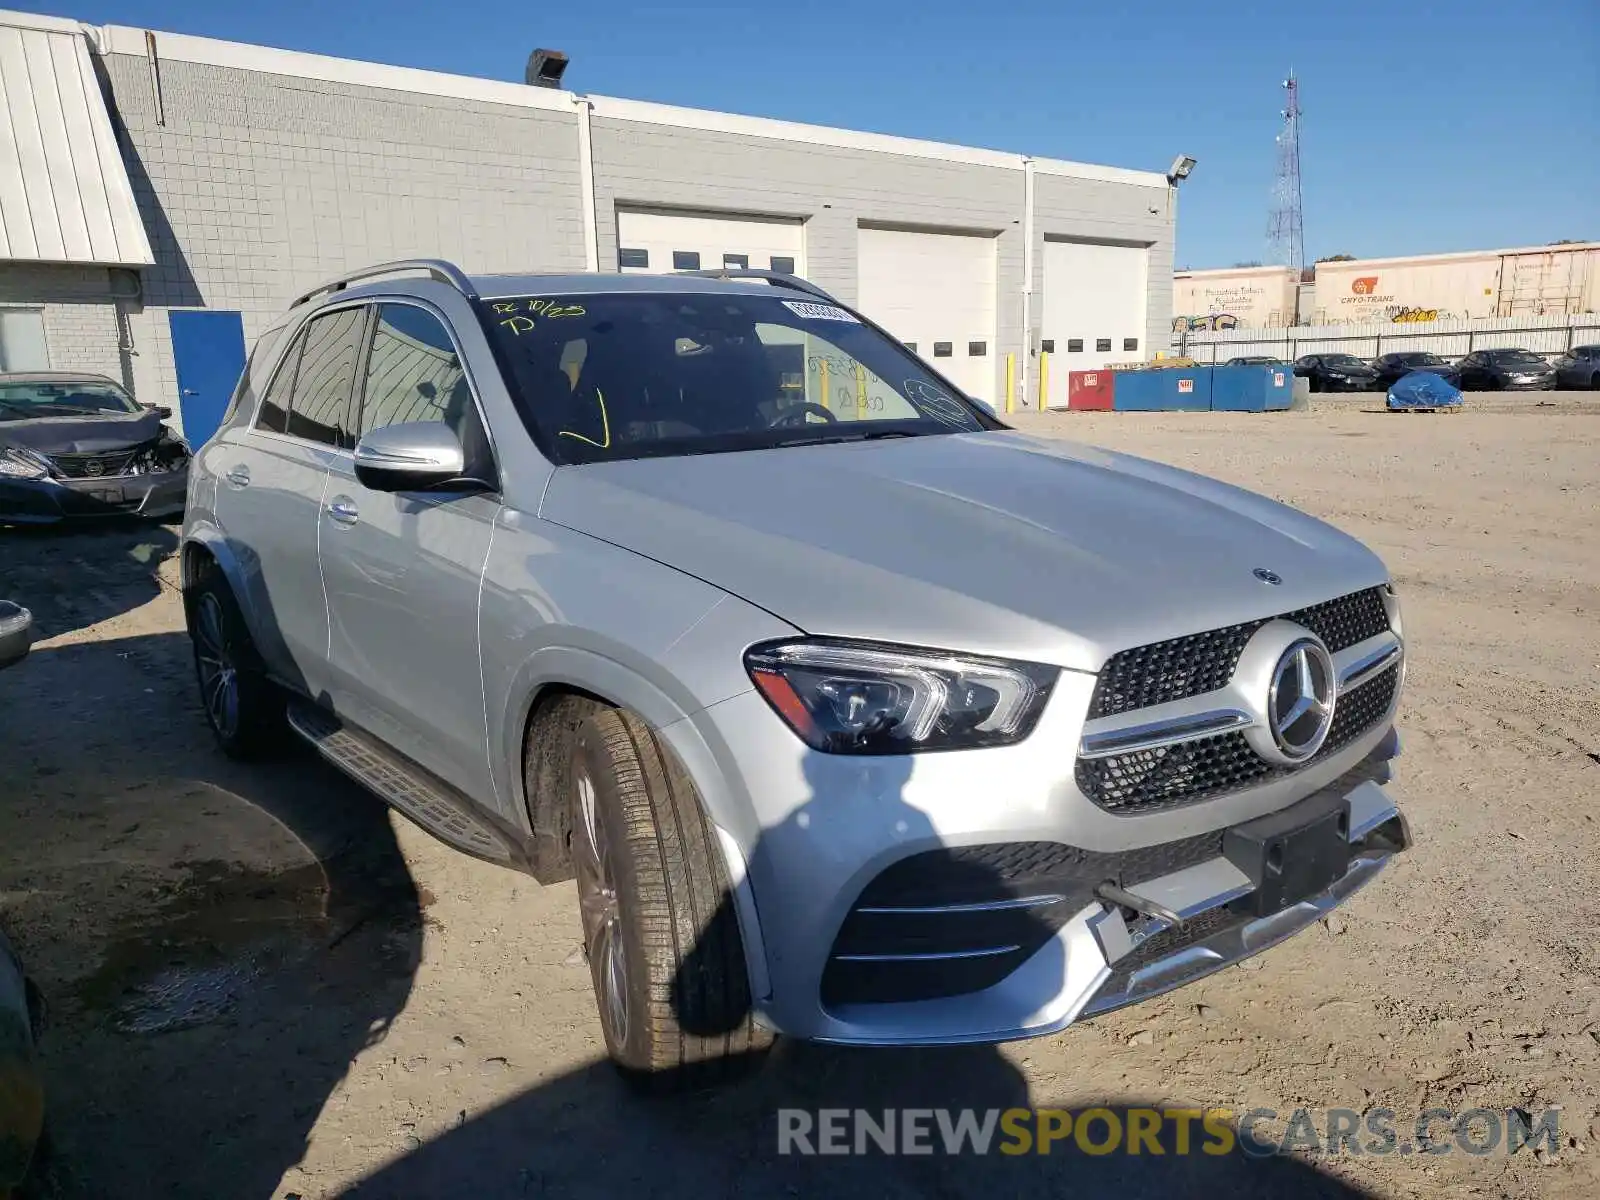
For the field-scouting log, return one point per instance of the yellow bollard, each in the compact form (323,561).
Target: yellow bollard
(861,392)
(822,382)
(1044,379)
(1011,383)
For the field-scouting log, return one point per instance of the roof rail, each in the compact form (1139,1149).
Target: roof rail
(437,268)
(775,278)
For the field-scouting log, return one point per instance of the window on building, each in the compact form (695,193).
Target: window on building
(943,349)
(735,262)
(1130,343)
(686,260)
(977,349)
(322,386)
(1048,345)
(1074,345)
(274,411)
(22,344)
(1102,345)
(783,264)
(633,258)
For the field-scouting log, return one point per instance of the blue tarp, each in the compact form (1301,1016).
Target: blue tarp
(1422,389)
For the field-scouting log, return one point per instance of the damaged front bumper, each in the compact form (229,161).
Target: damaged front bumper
(153,495)
(1109,955)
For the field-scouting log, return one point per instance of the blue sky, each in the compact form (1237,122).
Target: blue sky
(1472,129)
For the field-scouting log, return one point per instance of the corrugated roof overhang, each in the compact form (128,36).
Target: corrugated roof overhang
(65,196)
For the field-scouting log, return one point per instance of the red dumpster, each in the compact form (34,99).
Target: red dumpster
(1090,389)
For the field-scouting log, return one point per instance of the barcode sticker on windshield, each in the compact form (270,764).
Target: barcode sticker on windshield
(819,312)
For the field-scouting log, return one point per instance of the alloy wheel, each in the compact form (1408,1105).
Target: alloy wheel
(601,912)
(219,676)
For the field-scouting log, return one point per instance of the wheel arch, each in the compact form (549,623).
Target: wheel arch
(557,673)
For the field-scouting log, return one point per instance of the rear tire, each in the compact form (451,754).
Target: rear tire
(660,931)
(244,708)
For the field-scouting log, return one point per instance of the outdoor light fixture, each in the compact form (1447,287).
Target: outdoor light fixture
(545,68)
(1181,166)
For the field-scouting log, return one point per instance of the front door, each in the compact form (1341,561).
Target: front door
(403,570)
(271,480)
(208,352)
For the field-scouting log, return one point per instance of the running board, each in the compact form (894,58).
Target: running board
(427,800)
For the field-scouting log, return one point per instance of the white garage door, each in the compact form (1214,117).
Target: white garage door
(1094,309)
(935,292)
(650,241)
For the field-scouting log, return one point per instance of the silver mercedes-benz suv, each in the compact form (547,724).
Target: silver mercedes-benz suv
(856,715)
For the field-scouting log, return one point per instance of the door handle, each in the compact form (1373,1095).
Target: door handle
(188,392)
(344,512)
(239,477)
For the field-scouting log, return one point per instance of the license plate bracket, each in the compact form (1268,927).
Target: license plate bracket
(1292,854)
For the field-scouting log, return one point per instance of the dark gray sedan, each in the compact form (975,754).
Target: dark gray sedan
(1506,371)
(77,445)
(1579,368)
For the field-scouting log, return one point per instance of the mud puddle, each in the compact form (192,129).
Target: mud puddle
(223,933)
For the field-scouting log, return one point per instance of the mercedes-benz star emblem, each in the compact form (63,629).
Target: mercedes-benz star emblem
(1267,576)
(1300,704)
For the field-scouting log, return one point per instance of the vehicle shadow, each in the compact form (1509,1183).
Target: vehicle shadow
(74,576)
(216,941)
(590,1133)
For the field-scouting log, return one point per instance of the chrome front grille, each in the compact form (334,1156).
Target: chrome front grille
(1165,777)
(1202,662)
(96,466)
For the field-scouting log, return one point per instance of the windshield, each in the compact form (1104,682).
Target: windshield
(1518,358)
(1342,361)
(62,398)
(643,374)
(1422,360)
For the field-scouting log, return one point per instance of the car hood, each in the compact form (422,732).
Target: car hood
(1524,368)
(1353,372)
(82,435)
(997,543)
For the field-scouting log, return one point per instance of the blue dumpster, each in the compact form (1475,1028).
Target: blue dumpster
(1251,389)
(1163,389)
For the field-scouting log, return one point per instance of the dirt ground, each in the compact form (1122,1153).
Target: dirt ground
(264,985)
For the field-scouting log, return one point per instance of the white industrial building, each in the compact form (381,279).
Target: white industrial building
(1529,281)
(163,196)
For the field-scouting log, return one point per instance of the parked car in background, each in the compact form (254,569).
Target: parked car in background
(1579,368)
(1506,370)
(1391,367)
(1336,373)
(21,1080)
(569,571)
(1254,360)
(77,445)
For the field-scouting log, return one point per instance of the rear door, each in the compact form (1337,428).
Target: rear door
(403,570)
(271,476)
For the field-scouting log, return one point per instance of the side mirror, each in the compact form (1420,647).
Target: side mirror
(16,633)
(985,405)
(161,410)
(410,458)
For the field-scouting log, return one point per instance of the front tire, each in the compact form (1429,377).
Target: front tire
(244,708)
(659,927)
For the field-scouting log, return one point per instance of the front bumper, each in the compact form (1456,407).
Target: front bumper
(810,838)
(47,501)
(1331,384)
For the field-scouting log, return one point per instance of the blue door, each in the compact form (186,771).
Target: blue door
(208,351)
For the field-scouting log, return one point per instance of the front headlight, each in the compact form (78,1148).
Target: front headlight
(19,463)
(858,698)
